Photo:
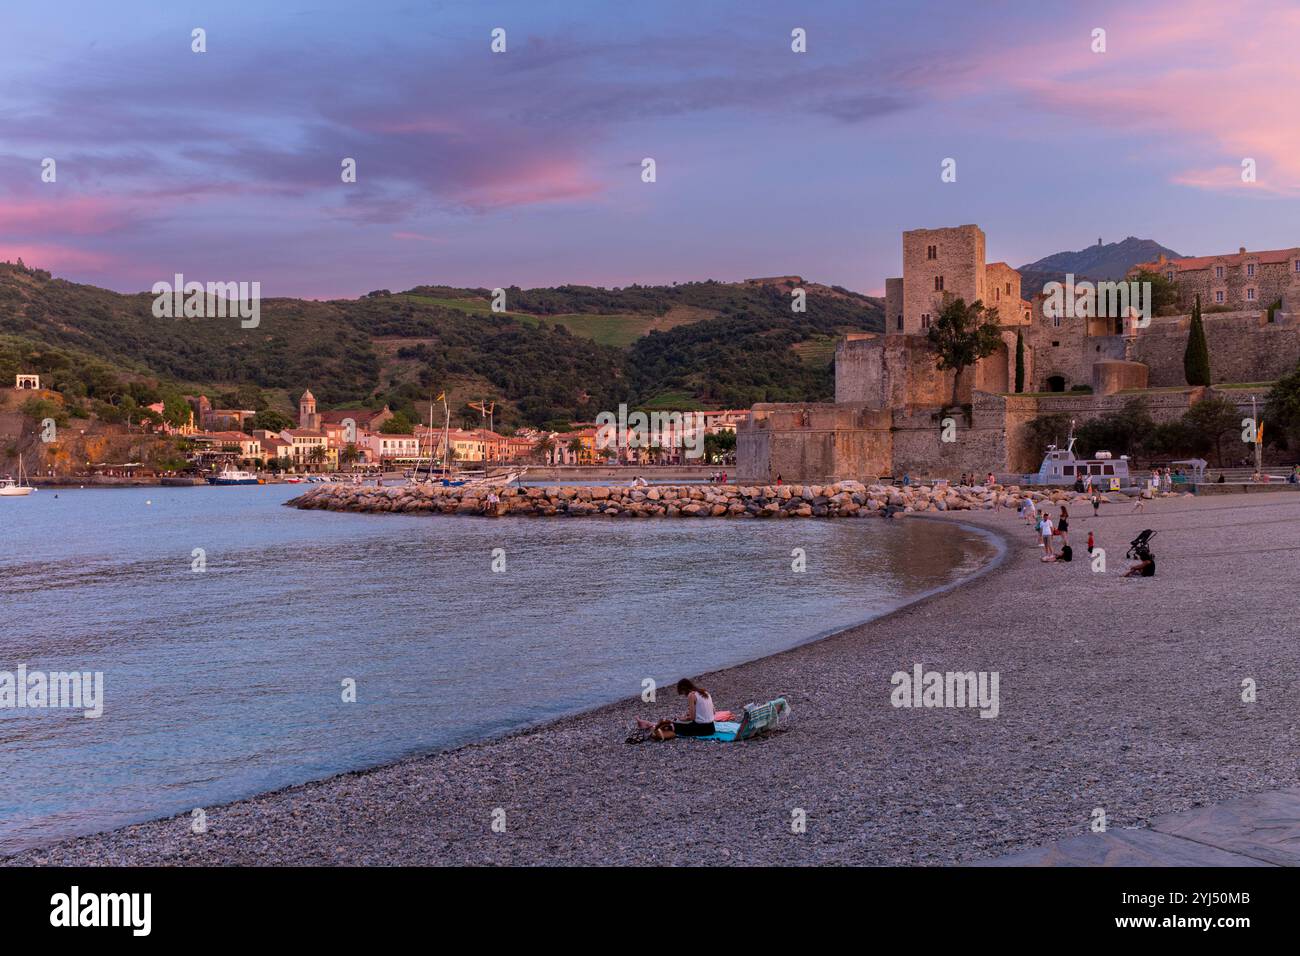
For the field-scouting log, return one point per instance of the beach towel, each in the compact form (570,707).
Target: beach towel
(757,719)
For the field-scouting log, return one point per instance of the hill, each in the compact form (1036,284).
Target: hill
(558,354)
(1109,261)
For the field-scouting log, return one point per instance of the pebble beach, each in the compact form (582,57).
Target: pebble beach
(1118,694)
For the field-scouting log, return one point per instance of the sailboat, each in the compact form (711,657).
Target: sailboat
(9,488)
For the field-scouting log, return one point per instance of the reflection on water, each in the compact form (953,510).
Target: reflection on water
(227,682)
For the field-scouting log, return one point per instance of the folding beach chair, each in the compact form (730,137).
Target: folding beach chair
(762,718)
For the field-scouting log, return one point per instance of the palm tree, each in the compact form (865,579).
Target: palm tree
(545,445)
(575,448)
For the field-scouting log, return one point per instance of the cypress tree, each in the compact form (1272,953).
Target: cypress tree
(1020,362)
(1196,358)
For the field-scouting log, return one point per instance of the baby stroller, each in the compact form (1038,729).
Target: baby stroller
(1139,548)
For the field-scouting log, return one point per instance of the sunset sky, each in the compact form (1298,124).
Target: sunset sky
(524,168)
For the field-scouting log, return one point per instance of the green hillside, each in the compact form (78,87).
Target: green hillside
(557,354)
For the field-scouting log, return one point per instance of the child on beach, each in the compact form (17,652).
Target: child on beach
(1141,502)
(1096,504)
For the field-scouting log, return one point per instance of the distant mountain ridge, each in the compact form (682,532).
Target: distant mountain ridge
(1103,261)
(1109,261)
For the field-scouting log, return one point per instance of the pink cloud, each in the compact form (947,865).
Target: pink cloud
(56,258)
(1212,86)
(541,181)
(73,215)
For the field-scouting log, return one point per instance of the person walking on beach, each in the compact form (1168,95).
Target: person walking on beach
(1140,505)
(1029,511)
(1090,542)
(1063,526)
(1096,504)
(1045,529)
(698,721)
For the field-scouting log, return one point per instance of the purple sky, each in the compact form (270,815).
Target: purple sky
(524,168)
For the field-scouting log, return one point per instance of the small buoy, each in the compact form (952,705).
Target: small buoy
(148,502)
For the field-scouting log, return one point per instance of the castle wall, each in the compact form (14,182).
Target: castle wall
(891,371)
(1109,376)
(813,442)
(1244,347)
(893,305)
(1002,286)
(979,442)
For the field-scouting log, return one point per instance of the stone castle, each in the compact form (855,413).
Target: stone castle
(891,400)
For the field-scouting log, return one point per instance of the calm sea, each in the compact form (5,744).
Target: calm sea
(230,681)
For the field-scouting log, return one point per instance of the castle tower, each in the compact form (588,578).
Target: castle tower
(307,417)
(937,263)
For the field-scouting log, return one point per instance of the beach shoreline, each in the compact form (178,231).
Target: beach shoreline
(877,784)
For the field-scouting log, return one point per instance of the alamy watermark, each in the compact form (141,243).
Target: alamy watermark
(1070,299)
(216,300)
(57,690)
(946,689)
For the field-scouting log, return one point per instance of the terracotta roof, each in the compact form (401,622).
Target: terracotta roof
(1192,263)
(223,436)
(358,415)
(304,433)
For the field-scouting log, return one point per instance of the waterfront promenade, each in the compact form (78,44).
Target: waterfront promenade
(1119,695)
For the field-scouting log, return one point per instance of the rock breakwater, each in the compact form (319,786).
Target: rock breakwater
(844,499)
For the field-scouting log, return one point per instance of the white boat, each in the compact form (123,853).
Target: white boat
(15,488)
(1063,467)
(232,476)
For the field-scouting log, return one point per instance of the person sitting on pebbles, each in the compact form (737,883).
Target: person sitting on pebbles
(698,721)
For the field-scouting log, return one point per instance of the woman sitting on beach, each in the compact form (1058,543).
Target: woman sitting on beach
(698,721)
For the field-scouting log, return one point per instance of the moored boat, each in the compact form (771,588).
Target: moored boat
(231,476)
(15,488)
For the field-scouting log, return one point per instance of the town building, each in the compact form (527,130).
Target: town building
(309,448)
(1240,280)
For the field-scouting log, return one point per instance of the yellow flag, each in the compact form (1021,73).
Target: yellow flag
(441,396)
(1259,434)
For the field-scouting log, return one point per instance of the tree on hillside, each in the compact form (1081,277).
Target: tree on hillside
(1196,357)
(1020,362)
(399,424)
(962,335)
(270,420)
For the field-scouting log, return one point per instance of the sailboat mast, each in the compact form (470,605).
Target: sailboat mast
(446,435)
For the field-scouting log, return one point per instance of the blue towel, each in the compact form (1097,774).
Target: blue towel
(723,730)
